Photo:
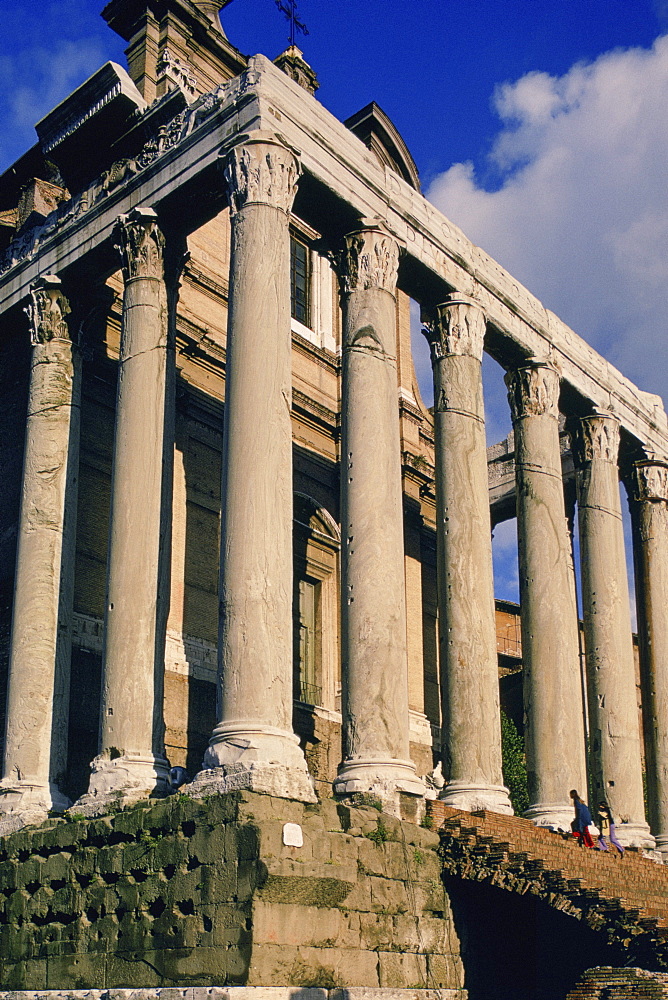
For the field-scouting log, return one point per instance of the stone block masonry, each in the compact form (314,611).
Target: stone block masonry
(184,893)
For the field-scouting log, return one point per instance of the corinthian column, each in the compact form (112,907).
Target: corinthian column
(373,600)
(131,763)
(649,509)
(253,745)
(40,653)
(613,711)
(550,654)
(469,664)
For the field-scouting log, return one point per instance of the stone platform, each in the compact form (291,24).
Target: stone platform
(240,889)
(238,993)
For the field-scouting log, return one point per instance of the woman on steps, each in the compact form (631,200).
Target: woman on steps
(607,827)
(582,821)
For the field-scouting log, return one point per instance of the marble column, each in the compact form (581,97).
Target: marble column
(131,763)
(253,745)
(373,600)
(40,651)
(615,758)
(468,657)
(649,509)
(552,689)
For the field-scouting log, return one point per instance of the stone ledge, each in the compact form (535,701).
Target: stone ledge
(239,993)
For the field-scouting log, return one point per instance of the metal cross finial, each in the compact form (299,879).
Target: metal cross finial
(290,10)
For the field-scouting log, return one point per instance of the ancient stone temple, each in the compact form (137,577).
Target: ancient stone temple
(235,541)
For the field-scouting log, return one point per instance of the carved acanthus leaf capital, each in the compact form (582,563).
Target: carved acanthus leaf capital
(47,311)
(533,390)
(456,326)
(651,481)
(141,245)
(370,260)
(597,439)
(261,170)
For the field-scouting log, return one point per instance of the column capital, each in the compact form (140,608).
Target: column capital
(141,244)
(533,390)
(596,438)
(370,259)
(650,481)
(456,326)
(261,170)
(48,310)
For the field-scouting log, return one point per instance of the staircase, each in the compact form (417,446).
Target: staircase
(624,898)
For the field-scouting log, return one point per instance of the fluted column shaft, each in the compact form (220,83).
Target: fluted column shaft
(373,599)
(253,745)
(131,762)
(550,654)
(38,693)
(469,664)
(649,508)
(613,714)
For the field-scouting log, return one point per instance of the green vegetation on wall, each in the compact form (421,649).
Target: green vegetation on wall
(514,764)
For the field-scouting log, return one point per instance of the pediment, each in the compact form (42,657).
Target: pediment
(377,131)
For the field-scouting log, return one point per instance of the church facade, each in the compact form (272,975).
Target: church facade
(235,541)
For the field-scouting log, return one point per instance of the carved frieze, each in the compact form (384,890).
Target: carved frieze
(141,244)
(456,326)
(651,481)
(176,72)
(29,244)
(370,260)
(533,390)
(261,170)
(47,311)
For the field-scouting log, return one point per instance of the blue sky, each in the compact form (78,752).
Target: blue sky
(539,128)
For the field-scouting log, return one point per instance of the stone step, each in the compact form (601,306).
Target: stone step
(632,884)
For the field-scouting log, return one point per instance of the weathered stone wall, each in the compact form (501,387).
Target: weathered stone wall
(191,893)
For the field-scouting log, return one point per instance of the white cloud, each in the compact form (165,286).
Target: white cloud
(33,80)
(580,215)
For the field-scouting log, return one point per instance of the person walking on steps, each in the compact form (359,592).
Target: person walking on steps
(607,827)
(582,821)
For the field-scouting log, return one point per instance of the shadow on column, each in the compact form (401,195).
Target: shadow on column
(14,380)
(199,433)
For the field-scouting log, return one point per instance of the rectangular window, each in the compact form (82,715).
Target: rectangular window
(300,281)
(306,652)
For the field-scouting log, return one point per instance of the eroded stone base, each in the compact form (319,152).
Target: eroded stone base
(385,779)
(254,776)
(115,784)
(554,816)
(24,803)
(635,835)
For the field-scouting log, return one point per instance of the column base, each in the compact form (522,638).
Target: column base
(636,835)
(662,846)
(122,781)
(253,776)
(252,756)
(556,816)
(25,803)
(385,778)
(471,798)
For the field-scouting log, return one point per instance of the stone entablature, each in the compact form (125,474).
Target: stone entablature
(183,151)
